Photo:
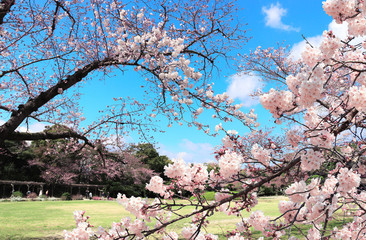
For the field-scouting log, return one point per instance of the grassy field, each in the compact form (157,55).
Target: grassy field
(26,220)
(47,220)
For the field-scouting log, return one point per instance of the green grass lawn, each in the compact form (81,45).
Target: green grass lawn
(47,220)
(24,220)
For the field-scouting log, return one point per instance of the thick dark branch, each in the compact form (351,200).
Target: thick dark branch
(346,123)
(5,108)
(5,6)
(323,104)
(22,136)
(32,105)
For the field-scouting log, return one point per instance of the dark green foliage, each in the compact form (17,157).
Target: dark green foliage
(14,157)
(127,188)
(149,156)
(322,178)
(269,191)
(66,196)
(17,194)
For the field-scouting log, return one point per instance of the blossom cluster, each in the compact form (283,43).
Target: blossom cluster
(258,220)
(230,164)
(190,232)
(322,138)
(83,229)
(156,185)
(261,154)
(277,102)
(357,98)
(311,160)
(348,180)
(187,176)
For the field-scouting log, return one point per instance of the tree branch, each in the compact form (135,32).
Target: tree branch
(228,199)
(33,105)
(22,136)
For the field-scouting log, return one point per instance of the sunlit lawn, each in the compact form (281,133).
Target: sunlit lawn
(27,220)
(24,220)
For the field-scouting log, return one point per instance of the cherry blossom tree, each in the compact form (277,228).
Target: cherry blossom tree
(50,48)
(68,161)
(321,97)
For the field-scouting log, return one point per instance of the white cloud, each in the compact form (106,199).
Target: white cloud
(273,17)
(241,86)
(32,128)
(115,143)
(190,152)
(339,30)
(298,48)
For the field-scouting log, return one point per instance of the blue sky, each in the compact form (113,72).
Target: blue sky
(269,22)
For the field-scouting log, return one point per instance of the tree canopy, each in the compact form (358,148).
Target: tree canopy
(148,155)
(50,48)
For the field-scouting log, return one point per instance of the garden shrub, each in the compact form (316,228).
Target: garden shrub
(17,194)
(66,196)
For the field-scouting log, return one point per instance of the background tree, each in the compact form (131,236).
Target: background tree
(131,177)
(66,161)
(148,155)
(14,162)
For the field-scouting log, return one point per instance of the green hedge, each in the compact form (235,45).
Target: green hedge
(17,194)
(66,196)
